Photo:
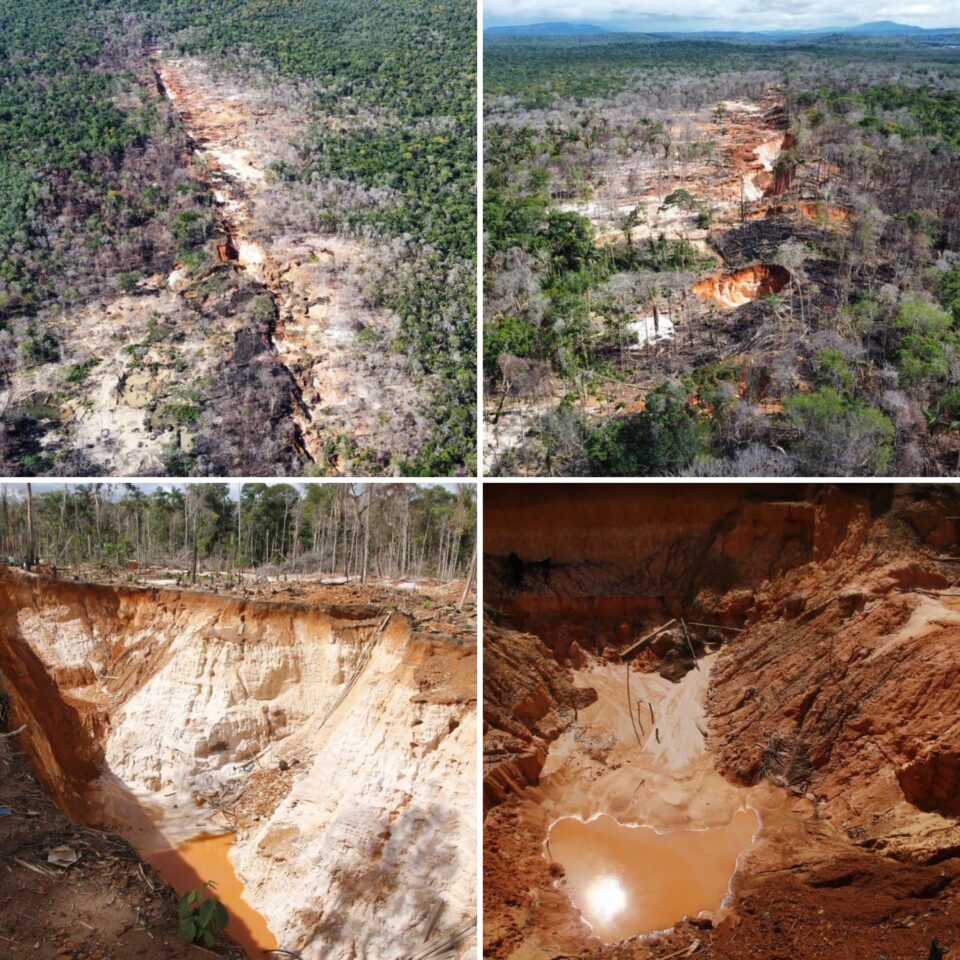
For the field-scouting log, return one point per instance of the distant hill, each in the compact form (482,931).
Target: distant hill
(655,28)
(557,29)
(881,28)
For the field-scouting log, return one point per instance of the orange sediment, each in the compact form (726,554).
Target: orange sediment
(207,857)
(816,210)
(730,290)
(630,880)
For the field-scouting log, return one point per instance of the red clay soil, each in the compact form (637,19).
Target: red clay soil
(528,699)
(853,662)
(818,210)
(837,704)
(107,906)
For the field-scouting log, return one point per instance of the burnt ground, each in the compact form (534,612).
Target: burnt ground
(758,241)
(750,337)
(106,906)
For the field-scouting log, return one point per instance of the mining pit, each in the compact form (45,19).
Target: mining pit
(721,721)
(731,290)
(314,757)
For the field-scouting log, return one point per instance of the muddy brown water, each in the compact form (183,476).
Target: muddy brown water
(630,880)
(207,857)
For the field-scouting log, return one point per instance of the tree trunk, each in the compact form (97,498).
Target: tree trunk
(469,583)
(31,558)
(366,532)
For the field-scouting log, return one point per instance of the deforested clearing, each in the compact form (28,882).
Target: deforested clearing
(782,208)
(252,253)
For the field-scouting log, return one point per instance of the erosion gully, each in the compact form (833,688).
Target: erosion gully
(116,690)
(238,248)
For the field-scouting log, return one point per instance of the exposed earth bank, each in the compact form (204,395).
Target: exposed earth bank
(824,695)
(335,740)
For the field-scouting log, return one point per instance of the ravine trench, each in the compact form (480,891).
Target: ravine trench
(308,747)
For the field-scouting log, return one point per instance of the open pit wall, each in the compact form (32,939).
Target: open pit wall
(341,747)
(578,564)
(832,711)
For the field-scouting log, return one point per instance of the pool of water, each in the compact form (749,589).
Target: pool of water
(206,857)
(629,880)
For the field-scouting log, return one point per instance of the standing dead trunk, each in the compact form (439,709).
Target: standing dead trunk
(366,533)
(470,576)
(31,558)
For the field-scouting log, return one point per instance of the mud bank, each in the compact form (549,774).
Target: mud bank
(822,698)
(335,747)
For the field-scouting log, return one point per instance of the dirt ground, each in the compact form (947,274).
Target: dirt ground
(106,906)
(431,607)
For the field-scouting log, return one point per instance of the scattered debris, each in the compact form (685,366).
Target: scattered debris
(63,856)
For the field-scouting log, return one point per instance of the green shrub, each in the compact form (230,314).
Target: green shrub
(662,440)
(79,372)
(569,238)
(128,281)
(928,330)
(837,436)
(948,406)
(511,335)
(202,916)
(832,369)
(40,348)
(950,292)
(181,413)
(682,198)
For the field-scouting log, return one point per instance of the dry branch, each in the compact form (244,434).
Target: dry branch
(634,647)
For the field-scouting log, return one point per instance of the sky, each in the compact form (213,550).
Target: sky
(724,14)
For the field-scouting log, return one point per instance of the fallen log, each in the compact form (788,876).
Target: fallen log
(643,641)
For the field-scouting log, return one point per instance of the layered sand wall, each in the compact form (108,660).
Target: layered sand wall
(336,746)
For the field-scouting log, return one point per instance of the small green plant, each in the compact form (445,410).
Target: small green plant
(79,372)
(368,335)
(128,281)
(202,916)
(181,414)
